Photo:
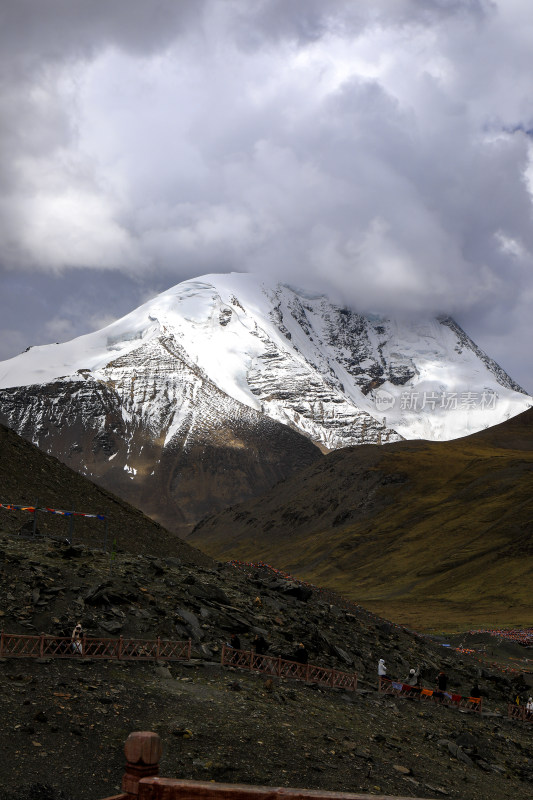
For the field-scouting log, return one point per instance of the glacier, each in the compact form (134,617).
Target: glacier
(338,377)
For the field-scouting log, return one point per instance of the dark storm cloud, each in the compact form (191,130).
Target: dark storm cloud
(376,151)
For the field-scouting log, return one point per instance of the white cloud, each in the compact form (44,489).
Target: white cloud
(378,151)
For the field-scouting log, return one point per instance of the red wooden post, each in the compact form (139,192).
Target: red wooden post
(142,750)
(119,648)
(332,677)
(41,646)
(189,650)
(279,667)
(158,647)
(307,674)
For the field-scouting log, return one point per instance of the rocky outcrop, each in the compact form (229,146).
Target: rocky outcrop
(156,431)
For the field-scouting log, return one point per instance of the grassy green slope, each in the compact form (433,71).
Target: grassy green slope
(438,535)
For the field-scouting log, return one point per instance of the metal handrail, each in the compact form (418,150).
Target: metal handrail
(519,712)
(126,649)
(399,689)
(284,668)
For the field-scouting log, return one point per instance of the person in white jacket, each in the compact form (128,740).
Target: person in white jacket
(76,645)
(382,672)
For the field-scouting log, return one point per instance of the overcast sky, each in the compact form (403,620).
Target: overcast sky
(379,151)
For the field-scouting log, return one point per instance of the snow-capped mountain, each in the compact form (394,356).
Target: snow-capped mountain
(227,364)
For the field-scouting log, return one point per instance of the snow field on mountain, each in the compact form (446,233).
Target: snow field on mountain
(338,377)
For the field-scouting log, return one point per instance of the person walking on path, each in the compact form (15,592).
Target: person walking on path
(382,672)
(301,655)
(442,681)
(413,679)
(76,645)
(442,684)
(260,645)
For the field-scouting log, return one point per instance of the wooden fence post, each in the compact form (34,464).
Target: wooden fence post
(279,667)
(1,644)
(119,648)
(158,647)
(142,750)
(41,646)
(223,654)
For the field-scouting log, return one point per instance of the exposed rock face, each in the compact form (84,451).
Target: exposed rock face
(220,387)
(157,433)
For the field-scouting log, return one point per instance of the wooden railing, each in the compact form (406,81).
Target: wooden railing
(445,698)
(141,782)
(125,649)
(519,712)
(284,668)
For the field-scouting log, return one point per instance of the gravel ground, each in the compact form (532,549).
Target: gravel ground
(64,725)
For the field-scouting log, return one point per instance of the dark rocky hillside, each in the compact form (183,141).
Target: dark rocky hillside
(63,723)
(220,453)
(28,476)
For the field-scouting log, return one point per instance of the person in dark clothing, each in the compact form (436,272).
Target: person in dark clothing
(442,684)
(235,642)
(475,691)
(301,655)
(260,645)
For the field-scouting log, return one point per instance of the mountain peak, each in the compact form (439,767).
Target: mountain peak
(230,359)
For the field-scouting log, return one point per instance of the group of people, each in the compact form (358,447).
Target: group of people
(529,703)
(301,656)
(261,647)
(441,681)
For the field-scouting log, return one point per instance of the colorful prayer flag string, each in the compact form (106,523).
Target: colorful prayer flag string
(60,512)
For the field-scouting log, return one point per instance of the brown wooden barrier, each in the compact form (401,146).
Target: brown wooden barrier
(450,699)
(519,712)
(283,668)
(45,646)
(141,782)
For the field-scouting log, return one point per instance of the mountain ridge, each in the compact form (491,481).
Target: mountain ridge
(432,534)
(221,386)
